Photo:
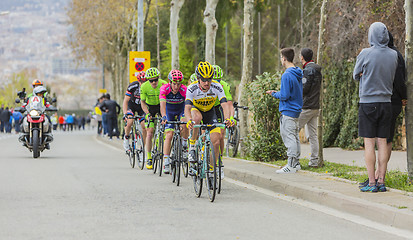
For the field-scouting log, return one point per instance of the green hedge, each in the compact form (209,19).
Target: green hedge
(264,142)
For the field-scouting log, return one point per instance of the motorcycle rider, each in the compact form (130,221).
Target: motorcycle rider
(39,91)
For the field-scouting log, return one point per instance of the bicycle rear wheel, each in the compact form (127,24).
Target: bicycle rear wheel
(131,152)
(197,176)
(139,149)
(211,173)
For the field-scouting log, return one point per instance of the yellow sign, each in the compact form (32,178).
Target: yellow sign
(138,62)
(103,90)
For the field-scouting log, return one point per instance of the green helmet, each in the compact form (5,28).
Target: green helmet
(217,72)
(152,73)
(193,78)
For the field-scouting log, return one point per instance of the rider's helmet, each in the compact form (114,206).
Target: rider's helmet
(175,76)
(204,70)
(141,77)
(217,73)
(39,91)
(152,73)
(36,83)
(192,78)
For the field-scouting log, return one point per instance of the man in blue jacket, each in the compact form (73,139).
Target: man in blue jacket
(291,103)
(375,69)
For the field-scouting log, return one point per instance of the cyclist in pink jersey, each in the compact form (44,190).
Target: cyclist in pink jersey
(172,101)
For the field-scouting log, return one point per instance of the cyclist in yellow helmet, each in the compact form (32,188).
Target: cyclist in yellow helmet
(199,106)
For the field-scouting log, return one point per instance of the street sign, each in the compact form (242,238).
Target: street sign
(138,62)
(103,90)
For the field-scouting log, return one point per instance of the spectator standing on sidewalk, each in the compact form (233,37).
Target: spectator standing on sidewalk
(311,102)
(112,109)
(4,118)
(61,123)
(375,69)
(291,102)
(17,118)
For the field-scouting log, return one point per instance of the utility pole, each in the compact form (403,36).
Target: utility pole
(278,36)
(139,34)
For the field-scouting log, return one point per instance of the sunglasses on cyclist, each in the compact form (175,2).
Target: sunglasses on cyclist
(153,80)
(206,79)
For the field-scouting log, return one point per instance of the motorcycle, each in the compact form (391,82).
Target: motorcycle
(36,132)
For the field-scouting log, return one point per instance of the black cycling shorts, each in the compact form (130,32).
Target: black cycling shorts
(136,109)
(208,117)
(375,120)
(220,113)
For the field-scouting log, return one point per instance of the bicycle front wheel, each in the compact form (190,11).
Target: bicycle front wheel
(139,149)
(219,167)
(160,152)
(211,172)
(178,160)
(155,155)
(197,172)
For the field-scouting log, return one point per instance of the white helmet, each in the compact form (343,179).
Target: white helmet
(39,90)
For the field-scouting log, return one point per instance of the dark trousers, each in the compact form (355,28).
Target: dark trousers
(2,125)
(100,127)
(112,125)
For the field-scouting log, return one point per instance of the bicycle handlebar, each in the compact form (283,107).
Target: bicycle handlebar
(209,126)
(175,122)
(242,107)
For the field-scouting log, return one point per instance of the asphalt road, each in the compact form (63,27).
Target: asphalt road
(85,189)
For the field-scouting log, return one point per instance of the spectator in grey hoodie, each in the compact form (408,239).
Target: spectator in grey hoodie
(375,69)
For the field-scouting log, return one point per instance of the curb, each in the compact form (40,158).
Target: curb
(381,213)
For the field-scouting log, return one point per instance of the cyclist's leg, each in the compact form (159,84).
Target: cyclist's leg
(220,118)
(197,118)
(215,135)
(168,139)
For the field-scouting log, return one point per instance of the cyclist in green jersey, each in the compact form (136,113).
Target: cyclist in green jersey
(218,108)
(150,103)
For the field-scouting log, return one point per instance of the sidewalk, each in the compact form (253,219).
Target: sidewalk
(398,159)
(393,208)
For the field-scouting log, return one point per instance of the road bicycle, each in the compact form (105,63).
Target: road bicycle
(157,145)
(176,156)
(233,138)
(136,145)
(203,169)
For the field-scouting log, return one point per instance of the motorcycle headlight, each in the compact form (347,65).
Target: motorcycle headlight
(34,113)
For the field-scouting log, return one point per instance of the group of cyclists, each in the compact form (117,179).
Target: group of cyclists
(207,99)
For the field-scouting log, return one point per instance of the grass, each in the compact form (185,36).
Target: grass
(394,179)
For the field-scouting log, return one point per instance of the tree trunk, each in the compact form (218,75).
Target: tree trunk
(158,37)
(211,30)
(409,109)
(246,67)
(176,6)
(140,32)
(320,115)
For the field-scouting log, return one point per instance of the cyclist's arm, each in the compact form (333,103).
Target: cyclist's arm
(144,106)
(163,107)
(227,110)
(188,107)
(125,104)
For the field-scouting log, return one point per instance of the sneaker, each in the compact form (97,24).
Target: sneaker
(126,144)
(166,169)
(192,170)
(313,164)
(192,156)
(149,164)
(185,154)
(365,183)
(222,173)
(287,169)
(381,187)
(47,146)
(369,188)
(298,166)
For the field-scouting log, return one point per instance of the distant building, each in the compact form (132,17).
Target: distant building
(70,66)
